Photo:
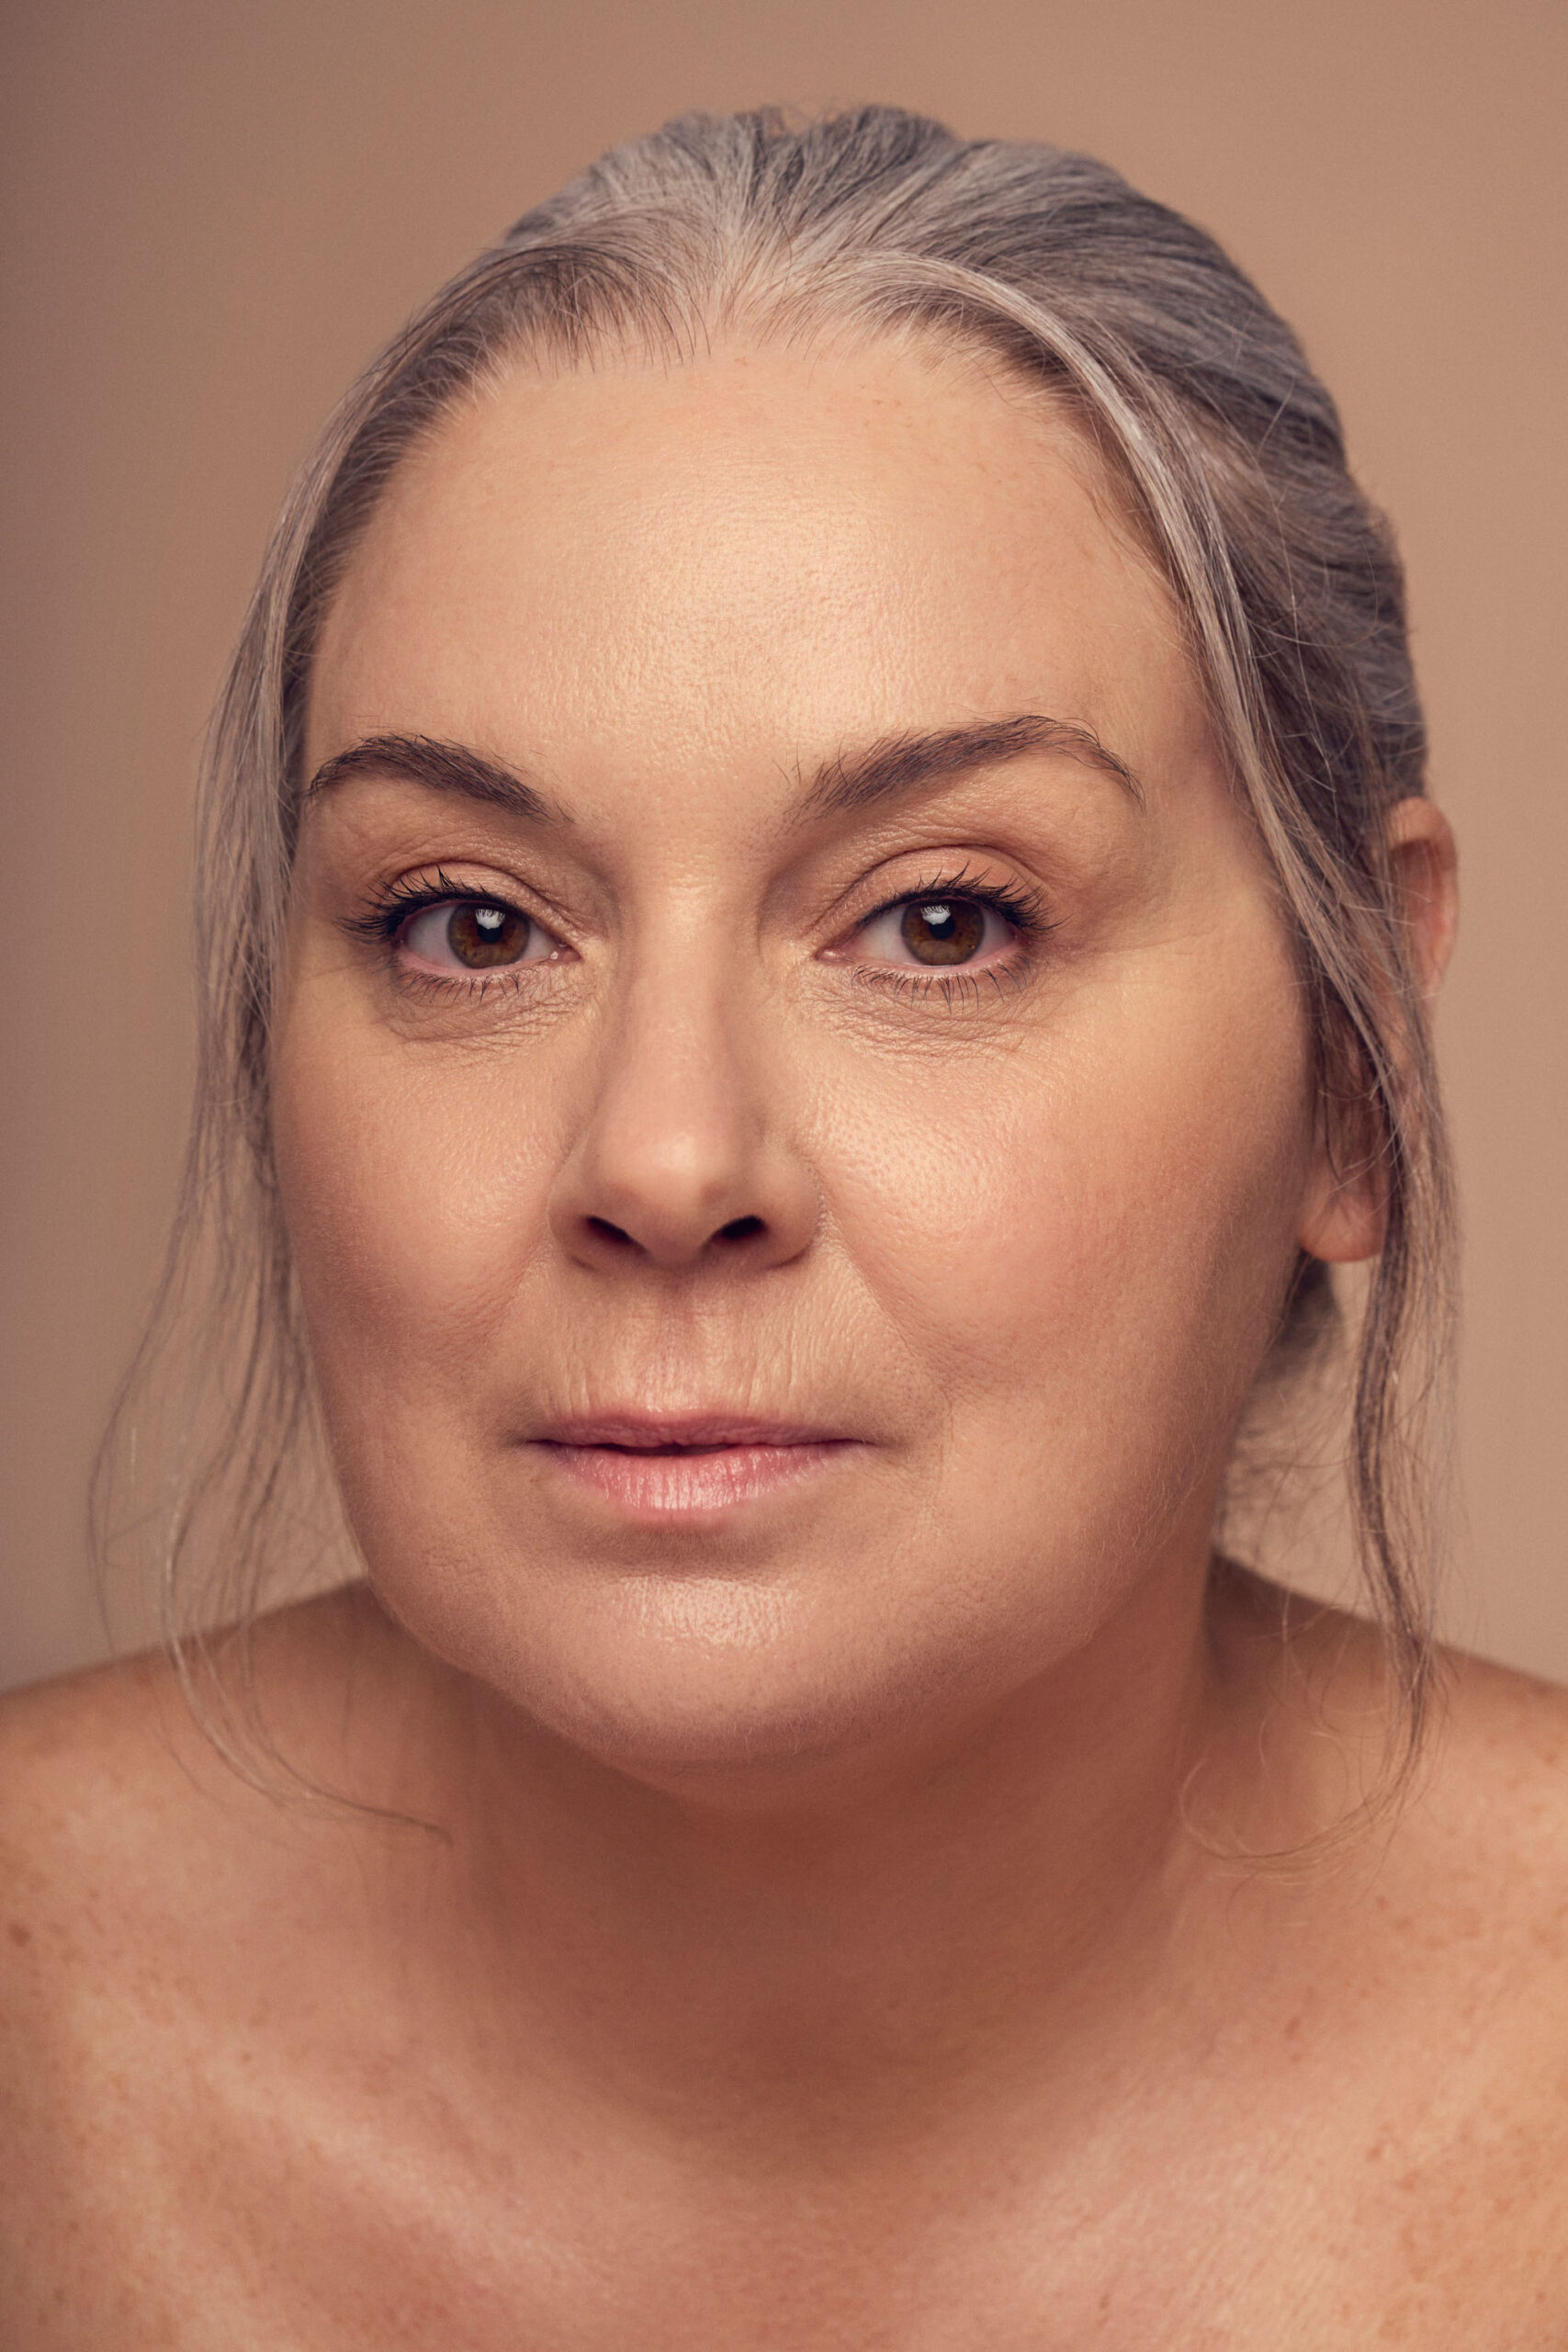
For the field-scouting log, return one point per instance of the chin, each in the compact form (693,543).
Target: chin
(733,1686)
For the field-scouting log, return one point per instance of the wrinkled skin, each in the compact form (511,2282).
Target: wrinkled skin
(1022,1240)
(827,1929)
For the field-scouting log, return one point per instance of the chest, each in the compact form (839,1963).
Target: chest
(329,2223)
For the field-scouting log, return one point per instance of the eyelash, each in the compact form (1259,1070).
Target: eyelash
(394,904)
(1021,906)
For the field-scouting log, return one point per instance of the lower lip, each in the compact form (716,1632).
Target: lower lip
(693,1485)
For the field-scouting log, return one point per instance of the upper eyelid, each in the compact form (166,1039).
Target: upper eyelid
(956,885)
(957,882)
(948,866)
(444,888)
(944,866)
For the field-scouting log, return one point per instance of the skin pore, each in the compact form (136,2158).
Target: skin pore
(792,1106)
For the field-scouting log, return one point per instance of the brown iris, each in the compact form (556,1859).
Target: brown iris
(943,931)
(480,935)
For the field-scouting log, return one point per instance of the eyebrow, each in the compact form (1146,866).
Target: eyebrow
(442,767)
(900,763)
(885,770)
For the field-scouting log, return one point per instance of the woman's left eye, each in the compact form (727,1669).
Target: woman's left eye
(936,932)
(476,935)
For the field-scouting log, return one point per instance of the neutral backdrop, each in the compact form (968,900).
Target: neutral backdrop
(216,212)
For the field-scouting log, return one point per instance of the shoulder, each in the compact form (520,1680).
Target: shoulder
(1408,1982)
(1440,1901)
(1482,1850)
(118,1822)
(1491,1796)
(1471,1878)
(167,1930)
(96,1820)
(153,1823)
(95,1765)
(1470,1853)
(90,1772)
(1472,1935)
(131,1848)
(142,1797)
(1487,1793)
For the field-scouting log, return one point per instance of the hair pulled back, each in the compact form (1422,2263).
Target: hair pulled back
(1230,456)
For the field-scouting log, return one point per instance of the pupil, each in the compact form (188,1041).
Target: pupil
(943,931)
(479,935)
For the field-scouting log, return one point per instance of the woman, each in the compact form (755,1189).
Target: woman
(819,911)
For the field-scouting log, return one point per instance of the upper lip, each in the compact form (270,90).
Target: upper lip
(687,1433)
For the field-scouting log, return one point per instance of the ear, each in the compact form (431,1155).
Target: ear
(1341,1218)
(1424,862)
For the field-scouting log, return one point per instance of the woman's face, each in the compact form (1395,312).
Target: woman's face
(792,1102)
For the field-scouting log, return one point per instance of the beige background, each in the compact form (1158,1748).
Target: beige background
(217,209)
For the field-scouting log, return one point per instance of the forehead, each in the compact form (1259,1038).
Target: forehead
(744,560)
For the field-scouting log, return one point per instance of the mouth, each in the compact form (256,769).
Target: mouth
(659,1467)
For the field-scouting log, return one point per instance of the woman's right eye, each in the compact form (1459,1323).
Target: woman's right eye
(476,935)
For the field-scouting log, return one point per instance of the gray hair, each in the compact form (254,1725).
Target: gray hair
(1230,456)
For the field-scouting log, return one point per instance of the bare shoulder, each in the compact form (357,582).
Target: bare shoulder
(122,1833)
(123,1819)
(161,1922)
(100,1819)
(1474,1880)
(109,1778)
(1493,1795)
(167,1932)
(1486,1806)
(1413,1973)
(1473,1855)
(96,1775)
(1473,1943)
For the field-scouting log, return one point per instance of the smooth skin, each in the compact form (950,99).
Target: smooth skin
(833,1932)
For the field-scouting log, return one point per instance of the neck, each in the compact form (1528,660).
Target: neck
(937,1914)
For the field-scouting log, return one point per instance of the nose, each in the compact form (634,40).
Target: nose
(683,1160)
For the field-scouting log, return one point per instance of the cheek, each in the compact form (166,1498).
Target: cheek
(414,1191)
(1102,1229)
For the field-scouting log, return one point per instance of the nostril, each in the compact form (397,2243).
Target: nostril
(608,1232)
(739,1229)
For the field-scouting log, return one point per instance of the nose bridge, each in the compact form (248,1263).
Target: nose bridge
(685,1153)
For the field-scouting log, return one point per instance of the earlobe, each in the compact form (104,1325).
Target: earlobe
(1341,1219)
(1343,1204)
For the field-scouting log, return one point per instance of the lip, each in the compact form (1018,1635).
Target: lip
(659,1467)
